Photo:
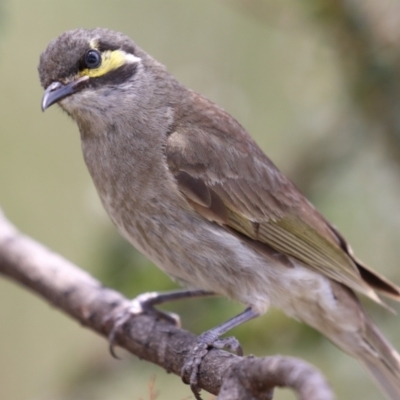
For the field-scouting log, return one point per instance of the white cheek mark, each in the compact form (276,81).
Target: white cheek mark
(130,58)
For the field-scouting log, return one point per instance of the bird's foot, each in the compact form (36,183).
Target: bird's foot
(205,343)
(145,303)
(142,304)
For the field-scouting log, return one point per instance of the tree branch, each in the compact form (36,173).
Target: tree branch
(83,298)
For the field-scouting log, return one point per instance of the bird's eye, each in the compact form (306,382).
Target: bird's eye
(92,59)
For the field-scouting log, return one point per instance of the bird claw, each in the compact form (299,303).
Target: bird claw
(144,304)
(139,305)
(229,343)
(122,317)
(205,342)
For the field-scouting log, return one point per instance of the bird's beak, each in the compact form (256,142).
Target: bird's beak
(57,91)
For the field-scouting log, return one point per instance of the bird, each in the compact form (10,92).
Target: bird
(188,187)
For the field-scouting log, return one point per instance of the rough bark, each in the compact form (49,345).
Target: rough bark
(96,307)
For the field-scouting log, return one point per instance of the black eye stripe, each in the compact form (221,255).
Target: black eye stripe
(116,76)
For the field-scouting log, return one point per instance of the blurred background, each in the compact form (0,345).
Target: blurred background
(316,83)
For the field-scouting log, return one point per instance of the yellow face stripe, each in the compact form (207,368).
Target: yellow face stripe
(110,60)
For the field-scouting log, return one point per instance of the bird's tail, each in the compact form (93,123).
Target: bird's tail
(381,360)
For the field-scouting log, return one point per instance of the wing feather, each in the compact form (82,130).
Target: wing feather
(244,191)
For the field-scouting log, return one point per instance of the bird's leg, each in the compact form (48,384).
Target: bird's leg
(210,339)
(145,302)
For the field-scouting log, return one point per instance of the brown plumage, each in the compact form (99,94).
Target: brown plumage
(245,191)
(185,184)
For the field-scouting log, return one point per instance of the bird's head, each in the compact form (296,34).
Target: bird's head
(95,71)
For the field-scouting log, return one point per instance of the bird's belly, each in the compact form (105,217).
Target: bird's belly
(203,255)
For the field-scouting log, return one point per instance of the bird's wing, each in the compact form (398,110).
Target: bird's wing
(227,179)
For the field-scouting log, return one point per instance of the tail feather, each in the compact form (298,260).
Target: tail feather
(381,360)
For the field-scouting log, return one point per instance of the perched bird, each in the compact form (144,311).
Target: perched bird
(187,186)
